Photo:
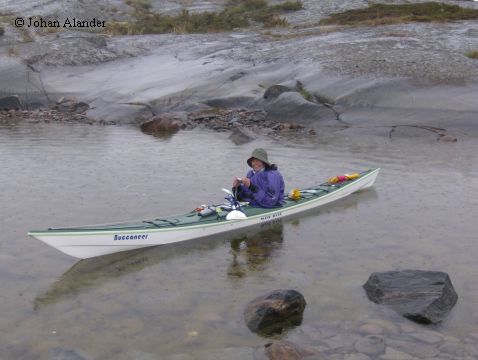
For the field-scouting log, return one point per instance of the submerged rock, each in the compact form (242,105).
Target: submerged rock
(370,345)
(422,296)
(60,353)
(284,350)
(275,311)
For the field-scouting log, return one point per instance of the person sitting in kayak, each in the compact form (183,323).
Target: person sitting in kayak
(263,186)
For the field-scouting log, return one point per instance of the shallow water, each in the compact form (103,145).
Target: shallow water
(189,298)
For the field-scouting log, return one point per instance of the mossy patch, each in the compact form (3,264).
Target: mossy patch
(472,54)
(237,14)
(382,14)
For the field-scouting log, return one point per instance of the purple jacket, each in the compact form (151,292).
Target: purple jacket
(266,190)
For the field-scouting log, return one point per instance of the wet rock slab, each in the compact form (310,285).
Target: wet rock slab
(422,296)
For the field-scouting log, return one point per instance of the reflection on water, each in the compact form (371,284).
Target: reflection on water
(189,298)
(256,245)
(251,253)
(91,272)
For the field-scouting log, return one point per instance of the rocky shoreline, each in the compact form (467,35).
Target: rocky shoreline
(244,125)
(370,75)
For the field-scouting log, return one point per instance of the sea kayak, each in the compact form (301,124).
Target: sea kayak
(96,240)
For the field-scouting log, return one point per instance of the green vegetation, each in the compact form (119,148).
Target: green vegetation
(237,14)
(10,19)
(289,6)
(139,5)
(472,54)
(6,19)
(304,92)
(381,14)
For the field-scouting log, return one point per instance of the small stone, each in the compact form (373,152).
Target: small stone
(286,350)
(393,354)
(419,350)
(356,357)
(341,341)
(371,329)
(453,347)
(408,327)
(428,338)
(448,138)
(60,353)
(370,345)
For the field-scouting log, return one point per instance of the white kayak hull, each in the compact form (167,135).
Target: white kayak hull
(91,243)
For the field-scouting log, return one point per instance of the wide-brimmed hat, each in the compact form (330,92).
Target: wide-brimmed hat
(259,154)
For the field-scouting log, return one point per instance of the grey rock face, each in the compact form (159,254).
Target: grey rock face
(292,105)
(71,105)
(242,136)
(10,103)
(422,296)
(272,312)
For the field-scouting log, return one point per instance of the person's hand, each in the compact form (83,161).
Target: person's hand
(246,182)
(235,182)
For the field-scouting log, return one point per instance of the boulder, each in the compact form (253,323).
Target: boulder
(241,136)
(71,104)
(425,297)
(271,313)
(274,91)
(166,123)
(10,103)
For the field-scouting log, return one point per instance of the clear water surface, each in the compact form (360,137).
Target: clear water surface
(189,298)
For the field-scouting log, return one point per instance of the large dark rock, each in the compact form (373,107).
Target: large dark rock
(422,296)
(10,103)
(271,313)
